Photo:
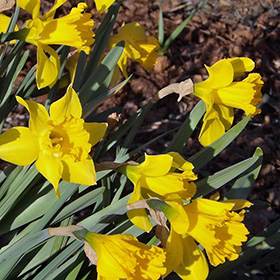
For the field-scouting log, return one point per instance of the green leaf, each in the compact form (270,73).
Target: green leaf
(213,182)
(208,153)
(243,185)
(180,139)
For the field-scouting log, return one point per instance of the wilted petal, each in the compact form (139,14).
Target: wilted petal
(19,146)
(96,131)
(68,105)
(38,122)
(51,168)
(80,172)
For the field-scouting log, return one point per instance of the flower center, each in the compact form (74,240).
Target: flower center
(67,138)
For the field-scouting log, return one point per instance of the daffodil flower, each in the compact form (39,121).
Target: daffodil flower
(222,93)
(122,256)
(138,46)
(156,177)
(103,5)
(59,143)
(73,30)
(212,224)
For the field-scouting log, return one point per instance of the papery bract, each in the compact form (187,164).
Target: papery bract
(122,256)
(221,94)
(59,143)
(74,29)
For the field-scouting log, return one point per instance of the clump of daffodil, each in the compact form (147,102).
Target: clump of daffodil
(156,177)
(103,5)
(212,224)
(222,93)
(73,30)
(59,143)
(138,47)
(122,256)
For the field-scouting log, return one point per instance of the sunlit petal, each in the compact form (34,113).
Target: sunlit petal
(19,146)
(68,105)
(31,6)
(51,168)
(48,68)
(103,5)
(96,131)
(81,172)
(38,122)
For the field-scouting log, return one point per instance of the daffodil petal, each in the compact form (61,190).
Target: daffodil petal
(139,217)
(241,65)
(96,131)
(38,122)
(153,166)
(51,168)
(225,115)
(5,20)
(50,14)
(80,172)
(194,265)
(19,146)
(174,252)
(103,5)
(212,129)
(68,105)
(221,74)
(48,68)
(31,6)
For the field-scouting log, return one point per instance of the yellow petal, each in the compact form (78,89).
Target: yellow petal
(50,14)
(51,168)
(225,115)
(79,172)
(241,65)
(19,145)
(194,265)
(212,129)
(177,217)
(221,74)
(174,252)
(139,217)
(68,105)
(103,5)
(31,6)
(48,68)
(39,116)
(153,166)
(5,20)
(244,95)
(96,131)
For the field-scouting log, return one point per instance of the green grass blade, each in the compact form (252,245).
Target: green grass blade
(160,25)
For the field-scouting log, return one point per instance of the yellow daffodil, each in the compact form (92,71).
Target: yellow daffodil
(103,5)
(73,30)
(5,20)
(156,177)
(215,226)
(221,94)
(138,46)
(59,143)
(122,256)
